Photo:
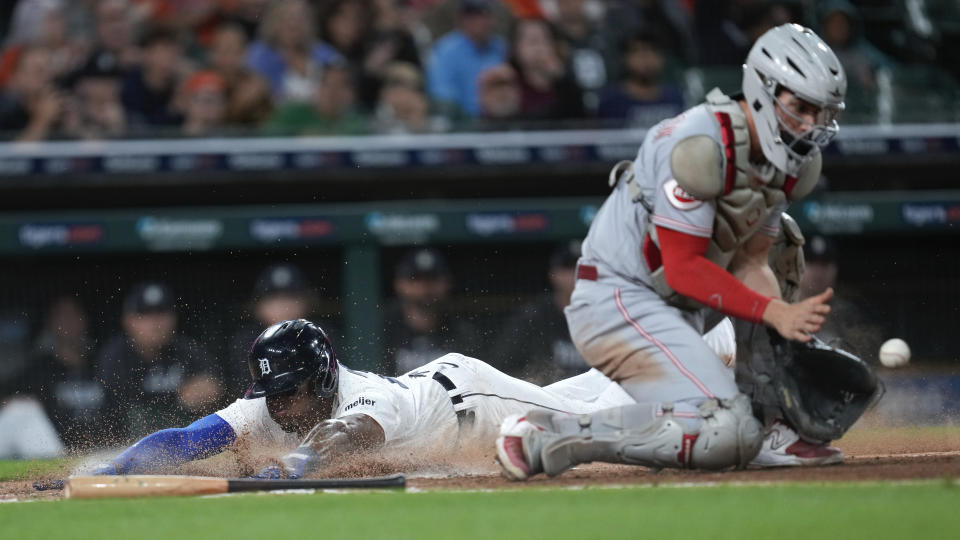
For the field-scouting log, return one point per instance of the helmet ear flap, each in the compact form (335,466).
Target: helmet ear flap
(326,379)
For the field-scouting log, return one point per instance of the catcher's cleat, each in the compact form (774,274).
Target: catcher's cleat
(519,446)
(782,447)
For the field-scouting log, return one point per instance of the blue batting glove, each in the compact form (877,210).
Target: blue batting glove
(105,469)
(300,462)
(271,472)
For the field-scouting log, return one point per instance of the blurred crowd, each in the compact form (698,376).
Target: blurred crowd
(95,69)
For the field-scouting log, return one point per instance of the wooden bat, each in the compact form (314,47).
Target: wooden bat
(93,487)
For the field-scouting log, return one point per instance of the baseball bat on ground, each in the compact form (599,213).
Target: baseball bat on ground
(93,487)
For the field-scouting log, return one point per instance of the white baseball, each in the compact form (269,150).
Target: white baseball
(894,353)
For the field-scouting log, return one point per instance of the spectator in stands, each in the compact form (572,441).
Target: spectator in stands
(440,17)
(418,326)
(42,24)
(246,14)
(63,378)
(155,377)
(403,106)
(148,89)
(15,344)
(346,26)
(727,29)
(534,343)
(547,90)
(30,106)
(288,53)
(583,46)
(25,430)
(458,58)
(499,91)
(357,30)
(331,113)
(642,98)
(392,40)
(248,101)
(114,33)
(94,110)
(673,20)
(842,30)
(787,11)
(281,292)
(181,14)
(204,93)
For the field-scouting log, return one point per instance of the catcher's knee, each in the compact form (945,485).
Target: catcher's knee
(726,436)
(730,436)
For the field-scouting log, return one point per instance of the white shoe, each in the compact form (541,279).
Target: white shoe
(518,447)
(782,447)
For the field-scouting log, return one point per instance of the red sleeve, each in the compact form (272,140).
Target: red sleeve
(691,274)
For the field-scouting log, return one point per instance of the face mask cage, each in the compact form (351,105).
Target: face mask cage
(822,130)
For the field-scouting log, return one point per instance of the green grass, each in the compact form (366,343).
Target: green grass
(782,512)
(23,469)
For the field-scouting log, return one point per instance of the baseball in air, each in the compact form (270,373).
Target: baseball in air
(894,353)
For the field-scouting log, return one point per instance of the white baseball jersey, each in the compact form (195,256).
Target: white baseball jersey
(433,406)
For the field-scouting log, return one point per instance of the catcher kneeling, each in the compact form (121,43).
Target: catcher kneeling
(684,239)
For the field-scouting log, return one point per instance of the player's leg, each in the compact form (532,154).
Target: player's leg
(657,356)
(655,351)
(592,387)
(595,387)
(724,435)
(723,340)
(491,395)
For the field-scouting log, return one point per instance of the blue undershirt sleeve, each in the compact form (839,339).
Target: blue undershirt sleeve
(170,447)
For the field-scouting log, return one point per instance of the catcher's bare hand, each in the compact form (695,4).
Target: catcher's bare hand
(798,321)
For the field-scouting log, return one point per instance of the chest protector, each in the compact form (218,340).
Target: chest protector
(744,194)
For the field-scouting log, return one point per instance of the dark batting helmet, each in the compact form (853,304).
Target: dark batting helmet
(288,353)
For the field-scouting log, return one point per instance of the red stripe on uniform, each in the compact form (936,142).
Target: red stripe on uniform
(652,254)
(658,344)
(685,455)
(588,272)
(789,184)
(726,131)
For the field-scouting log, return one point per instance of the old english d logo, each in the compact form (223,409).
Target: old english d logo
(264,366)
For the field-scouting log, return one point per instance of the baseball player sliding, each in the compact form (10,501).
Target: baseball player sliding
(685,234)
(301,392)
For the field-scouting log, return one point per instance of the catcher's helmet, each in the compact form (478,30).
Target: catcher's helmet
(288,353)
(793,57)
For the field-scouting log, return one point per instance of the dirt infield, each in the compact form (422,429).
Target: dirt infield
(873,454)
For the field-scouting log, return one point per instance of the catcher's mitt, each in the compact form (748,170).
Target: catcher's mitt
(822,390)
